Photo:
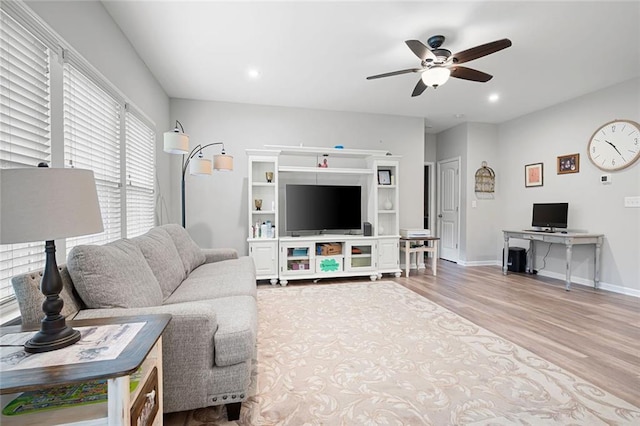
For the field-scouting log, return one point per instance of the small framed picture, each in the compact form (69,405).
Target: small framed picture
(568,164)
(533,175)
(384,177)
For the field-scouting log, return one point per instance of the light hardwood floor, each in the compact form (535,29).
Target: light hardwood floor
(594,334)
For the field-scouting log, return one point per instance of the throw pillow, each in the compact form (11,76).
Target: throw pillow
(163,258)
(114,275)
(191,255)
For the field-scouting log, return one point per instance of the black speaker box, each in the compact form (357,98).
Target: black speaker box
(367,229)
(517,259)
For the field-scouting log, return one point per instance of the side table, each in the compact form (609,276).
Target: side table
(429,245)
(111,349)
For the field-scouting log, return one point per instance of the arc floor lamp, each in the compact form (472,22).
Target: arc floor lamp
(177,142)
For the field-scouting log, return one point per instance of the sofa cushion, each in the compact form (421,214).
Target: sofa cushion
(234,277)
(190,253)
(163,258)
(114,275)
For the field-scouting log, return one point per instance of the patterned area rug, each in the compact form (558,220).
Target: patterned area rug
(380,354)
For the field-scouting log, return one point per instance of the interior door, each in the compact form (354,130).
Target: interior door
(449,209)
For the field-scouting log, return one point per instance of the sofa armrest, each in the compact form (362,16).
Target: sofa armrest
(187,340)
(219,254)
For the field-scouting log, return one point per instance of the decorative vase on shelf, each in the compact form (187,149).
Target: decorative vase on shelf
(388,205)
(258,203)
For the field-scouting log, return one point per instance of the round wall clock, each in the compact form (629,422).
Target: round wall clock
(615,145)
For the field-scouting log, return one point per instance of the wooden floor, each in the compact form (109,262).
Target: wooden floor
(594,334)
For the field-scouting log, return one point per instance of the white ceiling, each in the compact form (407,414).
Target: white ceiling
(317,54)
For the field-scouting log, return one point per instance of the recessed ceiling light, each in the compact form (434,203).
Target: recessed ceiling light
(494,97)
(253,73)
(458,115)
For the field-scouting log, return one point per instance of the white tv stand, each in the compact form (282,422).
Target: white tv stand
(284,258)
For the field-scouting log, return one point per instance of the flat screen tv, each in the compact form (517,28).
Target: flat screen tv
(316,208)
(550,215)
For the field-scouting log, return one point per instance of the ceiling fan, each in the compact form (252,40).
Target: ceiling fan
(438,64)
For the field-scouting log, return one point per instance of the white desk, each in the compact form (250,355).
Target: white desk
(569,240)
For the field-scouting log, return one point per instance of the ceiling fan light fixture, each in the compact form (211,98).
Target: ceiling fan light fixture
(436,76)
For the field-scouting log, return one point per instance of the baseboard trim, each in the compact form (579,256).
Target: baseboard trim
(478,263)
(589,283)
(574,280)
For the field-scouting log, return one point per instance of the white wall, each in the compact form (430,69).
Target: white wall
(217,205)
(89,29)
(566,129)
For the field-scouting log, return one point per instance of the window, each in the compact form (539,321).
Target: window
(140,169)
(92,141)
(24,129)
(100,134)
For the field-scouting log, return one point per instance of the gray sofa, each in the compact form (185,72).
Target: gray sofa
(208,346)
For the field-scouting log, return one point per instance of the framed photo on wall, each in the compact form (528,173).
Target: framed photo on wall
(384,177)
(568,164)
(533,175)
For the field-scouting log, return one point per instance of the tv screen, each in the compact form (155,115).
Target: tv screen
(550,215)
(322,207)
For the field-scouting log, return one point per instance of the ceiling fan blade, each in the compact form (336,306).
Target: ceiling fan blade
(420,50)
(470,74)
(480,51)
(420,87)
(389,74)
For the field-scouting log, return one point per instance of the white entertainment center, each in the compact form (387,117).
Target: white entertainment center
(281,257)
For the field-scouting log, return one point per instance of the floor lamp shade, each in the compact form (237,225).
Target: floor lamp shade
(200,166)
(223,162)
(43,204)
(176,143)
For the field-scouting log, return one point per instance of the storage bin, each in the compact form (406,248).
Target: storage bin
(330,249)
(300,252)
(328,264)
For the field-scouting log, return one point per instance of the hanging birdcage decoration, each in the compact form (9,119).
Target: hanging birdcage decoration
(485,179)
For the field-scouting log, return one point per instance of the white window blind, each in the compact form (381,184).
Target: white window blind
(24,129)
(140,168)
(92,141)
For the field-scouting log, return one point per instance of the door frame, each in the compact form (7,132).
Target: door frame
(432,195)
(458,159)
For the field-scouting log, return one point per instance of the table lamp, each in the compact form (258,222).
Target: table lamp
(44,204)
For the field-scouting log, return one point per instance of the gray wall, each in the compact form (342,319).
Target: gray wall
(542,137)
(217,205)
(89,29)
(481,221)
(566,129)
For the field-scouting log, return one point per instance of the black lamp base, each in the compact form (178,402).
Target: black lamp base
(54,332)
(46,342)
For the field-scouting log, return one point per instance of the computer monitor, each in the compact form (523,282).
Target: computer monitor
(550,215)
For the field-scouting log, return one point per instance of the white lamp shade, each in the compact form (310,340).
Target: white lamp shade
(223,162)
(176,143)
(436,76)
(200,166)
(42,204)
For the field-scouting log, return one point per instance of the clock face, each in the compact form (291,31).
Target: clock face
(615,145)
